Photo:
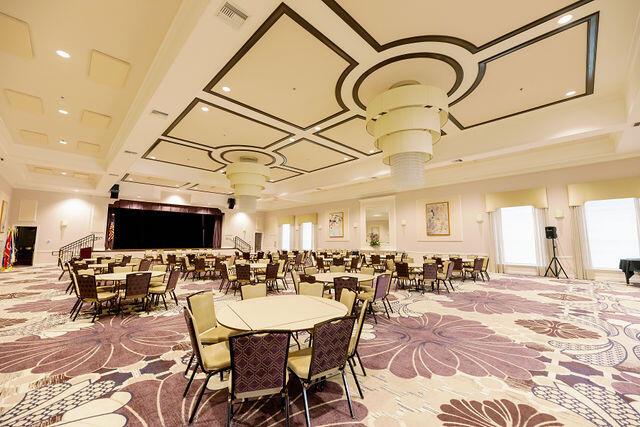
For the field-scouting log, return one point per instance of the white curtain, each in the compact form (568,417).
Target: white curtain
(496,253)
(542,244)
(581,255)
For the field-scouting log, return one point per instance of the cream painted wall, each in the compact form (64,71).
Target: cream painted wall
(87,214)
(5,194)
(476,236)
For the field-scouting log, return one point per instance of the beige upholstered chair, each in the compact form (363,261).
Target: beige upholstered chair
(258,290)
(368,284)
(125,269)
(348,298)
(311,270)
(312,289)
(337,269)
(353,346)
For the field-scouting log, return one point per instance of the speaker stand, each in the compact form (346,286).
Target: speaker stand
(554,265)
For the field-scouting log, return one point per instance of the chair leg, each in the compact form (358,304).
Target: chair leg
(384,304)
(186,390)
(73,309)
(360,362)
(202,389)
(286,407)
(96,306)
(229,411)
(175,297)
(353,372)
(165,302)
(189,364)
(307,417)
(78,311)
(348,393)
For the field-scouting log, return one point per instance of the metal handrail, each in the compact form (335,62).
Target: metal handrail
(240,244)
(71,250)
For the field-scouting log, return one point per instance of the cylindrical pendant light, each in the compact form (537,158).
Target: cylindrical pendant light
(248,178)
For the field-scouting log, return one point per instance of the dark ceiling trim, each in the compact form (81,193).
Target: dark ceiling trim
(153,206)
(351,158)
(592,42)
(193,188)
(209,152)
(281,10)
(348,119)
(437,56)
(196,101)
(360,30)
(297,173)
(273,159)
(126,179)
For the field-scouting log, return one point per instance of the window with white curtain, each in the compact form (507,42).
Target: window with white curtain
(306,231)
(518,235)
(285,237)
(612,231)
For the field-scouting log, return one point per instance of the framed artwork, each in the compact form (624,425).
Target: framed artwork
(336,224)
(3,215)
(438,222)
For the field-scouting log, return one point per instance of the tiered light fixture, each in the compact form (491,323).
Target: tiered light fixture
(406,121)
(248,178)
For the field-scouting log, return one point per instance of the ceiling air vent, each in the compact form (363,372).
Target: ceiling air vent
(232,15)
(130,152)
(159,113)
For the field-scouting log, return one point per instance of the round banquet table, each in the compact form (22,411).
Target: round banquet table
(328,277)
(121,277)
(286,312)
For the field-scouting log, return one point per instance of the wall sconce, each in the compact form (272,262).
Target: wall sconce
(480,218)
(63,223)
(319,227)
(558,214)
(403,223)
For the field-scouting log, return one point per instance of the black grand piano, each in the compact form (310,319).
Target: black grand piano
(629,266)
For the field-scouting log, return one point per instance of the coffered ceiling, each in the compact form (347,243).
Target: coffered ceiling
(176,94)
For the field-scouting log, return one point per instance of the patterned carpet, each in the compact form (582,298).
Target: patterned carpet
(515,351)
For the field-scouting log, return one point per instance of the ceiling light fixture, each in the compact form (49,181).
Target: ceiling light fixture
(76,190)
(406,121)
(372,151)
(63,142)
(205,109)
(345,158)
(63,173)
(63,111)
(565,19)
(152,158)
(226,88)
(247,178)
(292,139)
(63,54)
(570,93)
(317,128)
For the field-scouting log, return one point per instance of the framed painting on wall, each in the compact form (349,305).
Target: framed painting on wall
(336,224)
(438,222)
(3,215)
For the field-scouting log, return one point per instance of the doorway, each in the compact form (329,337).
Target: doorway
(25,245)
(258,242)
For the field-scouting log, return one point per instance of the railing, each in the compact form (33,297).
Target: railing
(72,249)
(240,244)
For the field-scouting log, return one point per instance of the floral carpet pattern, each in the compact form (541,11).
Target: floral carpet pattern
(515,351)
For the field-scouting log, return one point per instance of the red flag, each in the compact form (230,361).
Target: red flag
(7,257)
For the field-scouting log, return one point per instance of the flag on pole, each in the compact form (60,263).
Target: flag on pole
(9,253)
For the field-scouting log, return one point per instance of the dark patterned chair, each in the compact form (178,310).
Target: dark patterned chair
(378,293)
(136,290)
(445,276)
(429,274)
(211,359)
(271,277)
(475,271)
(346,282)
(327,357)
(145,265)
(159,291)
(88,292)
(258,368)
(457,266)
(404,278)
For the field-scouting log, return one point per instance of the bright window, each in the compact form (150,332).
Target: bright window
(518,235)
(307,236)
(612,231)
(286,237)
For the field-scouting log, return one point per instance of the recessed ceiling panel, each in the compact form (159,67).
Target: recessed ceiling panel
(476,22)
(535,75)
(236,155)
(152,180)
(15,37)
(108,70)
(211,189)
(351,133)
(30,137)
(309,156)
(182,155)
(279,174)
(213,126)
(95,120)
(288,70)
(24,102)
(88,148)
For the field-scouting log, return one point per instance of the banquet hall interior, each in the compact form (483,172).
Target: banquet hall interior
(320,212)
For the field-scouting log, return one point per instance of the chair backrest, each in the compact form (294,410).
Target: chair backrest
(477,264)
(320,263)
(307,278)
(402,269)
(145,264)
(159,267)
(119,269)
(438,260)
(359,325)
(331,341)
(87,271)
(258,363)
(383,283)
(311,289)
(348,299)
(87,286)
(354,263)
(375,259)
(243,272)
(340,283)
(391,265)
(194,335)
(260,255)
(224,271)
(137,284)
(310,270)
(258,290)
(338,261)
(272,272)
(173,280)
(429,271)
(203,309)
(171,258)
(200,264)
(368,270)
(485,263)
(296,281)
(337,269)
(457,263)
